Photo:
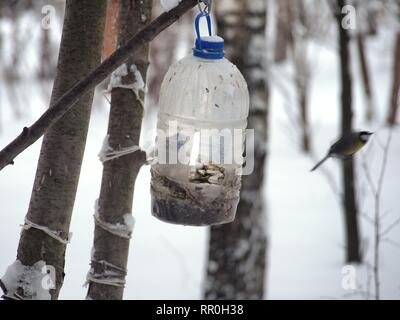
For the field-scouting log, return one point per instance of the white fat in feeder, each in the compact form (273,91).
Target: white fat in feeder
(203,109)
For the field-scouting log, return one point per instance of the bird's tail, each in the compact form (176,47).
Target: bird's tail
(320,163)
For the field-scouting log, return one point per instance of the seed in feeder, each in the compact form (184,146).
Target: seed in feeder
(212,172)
(214,180)
(213,166)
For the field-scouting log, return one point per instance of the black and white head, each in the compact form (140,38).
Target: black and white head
(364,136)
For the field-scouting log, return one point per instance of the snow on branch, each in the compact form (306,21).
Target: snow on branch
(137,86)
(107,153)
(122,230)
(169,4)
(104,272)
(53,234)
(31,279)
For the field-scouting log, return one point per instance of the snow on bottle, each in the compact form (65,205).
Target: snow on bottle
(203,109)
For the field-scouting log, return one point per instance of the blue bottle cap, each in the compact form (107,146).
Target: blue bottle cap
(209,47)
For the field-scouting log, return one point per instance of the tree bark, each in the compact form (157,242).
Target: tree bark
(57,174)
(353,253)
(47,68)
(162,52)
(111,29)
(365,76)
(395,95)
(283,32)
(80,88)
(237,251)
(302,73)
(119,175)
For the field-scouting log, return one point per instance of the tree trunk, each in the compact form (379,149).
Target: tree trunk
(283,32)
(365,76)
(47,68)
(302,80)
(110,29)
(57,174)
(349,200)
(162,52)
(237,251)
(395,95)
(302,71)
(110,255)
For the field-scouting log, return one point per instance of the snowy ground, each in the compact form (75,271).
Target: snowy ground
(305,223)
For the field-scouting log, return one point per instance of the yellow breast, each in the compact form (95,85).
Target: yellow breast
(354,148)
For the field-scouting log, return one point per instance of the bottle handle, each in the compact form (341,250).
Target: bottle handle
(197,25)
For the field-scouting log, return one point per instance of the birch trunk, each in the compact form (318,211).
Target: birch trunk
(237,251)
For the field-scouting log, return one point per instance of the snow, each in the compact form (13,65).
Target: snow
(31,279)
(116,80)
(53,234)
(139,84)
(129,222)
(107,153)
(123,230)
(116,77)
(169,4)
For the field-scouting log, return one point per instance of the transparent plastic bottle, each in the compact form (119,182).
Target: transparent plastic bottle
(203,109)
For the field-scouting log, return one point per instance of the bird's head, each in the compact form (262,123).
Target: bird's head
(365,135)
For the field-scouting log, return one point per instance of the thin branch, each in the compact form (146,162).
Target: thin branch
(368,219)
(384,161)
(67,101)
(390,227)
(392,242)
(368,176)
(377,191)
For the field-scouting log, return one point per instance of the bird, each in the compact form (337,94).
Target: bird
(346,146)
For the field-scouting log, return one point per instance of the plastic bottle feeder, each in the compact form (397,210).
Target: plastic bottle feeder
(203,100)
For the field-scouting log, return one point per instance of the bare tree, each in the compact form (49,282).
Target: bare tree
(47,68)
(283,32)
(353,253)
(376,190)
(395,94)
(237,251)
(365,28)
(110,254)
(365,76)
(45,232)
(302,66)
(162,52)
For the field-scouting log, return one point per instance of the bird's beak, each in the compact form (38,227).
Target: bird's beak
(370,133)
